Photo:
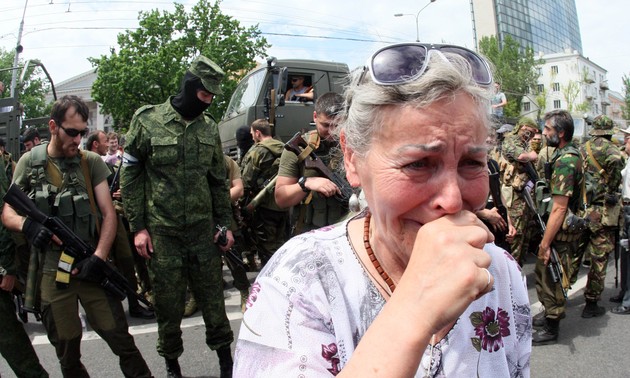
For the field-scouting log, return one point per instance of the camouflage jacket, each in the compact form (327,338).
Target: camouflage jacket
(513,173)
(567,175)
(610,160)
(7,246)
(173,177)
(259,166)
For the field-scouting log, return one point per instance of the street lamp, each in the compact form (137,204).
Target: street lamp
(417,14)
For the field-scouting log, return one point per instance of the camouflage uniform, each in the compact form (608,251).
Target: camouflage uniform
(600,239)
(316,210)
(258,168)
(15,346)
(241,282)
(60,308)
(173,185)
(565,181)
(514,181)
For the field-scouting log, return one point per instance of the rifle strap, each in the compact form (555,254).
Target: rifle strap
(592,159)
(88,184)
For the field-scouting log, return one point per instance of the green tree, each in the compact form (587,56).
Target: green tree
(32,92)
(150,61)
(626,93)
(570,93)
(515,69)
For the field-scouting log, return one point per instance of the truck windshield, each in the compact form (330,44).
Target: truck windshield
(245,94)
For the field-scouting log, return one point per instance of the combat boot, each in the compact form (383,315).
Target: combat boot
(225,361)
(548,334)
(172,368)
(191,307)
(592,310)
(539,321)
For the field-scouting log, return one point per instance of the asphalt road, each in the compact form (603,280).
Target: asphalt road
(596,347)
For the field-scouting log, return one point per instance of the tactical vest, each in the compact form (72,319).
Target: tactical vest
(62,191)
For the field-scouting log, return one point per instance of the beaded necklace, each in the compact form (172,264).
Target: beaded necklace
(370,253)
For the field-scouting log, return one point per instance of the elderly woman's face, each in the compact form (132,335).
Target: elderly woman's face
(422,165)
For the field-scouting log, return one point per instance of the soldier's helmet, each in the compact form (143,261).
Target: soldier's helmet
(209,73)
(602,125)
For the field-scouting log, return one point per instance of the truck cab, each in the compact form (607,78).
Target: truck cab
(261,94)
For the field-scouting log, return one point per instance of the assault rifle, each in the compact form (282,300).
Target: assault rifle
(558,275)
(497,201)
(230,255)
(297,144)
(113,282)
(18,294)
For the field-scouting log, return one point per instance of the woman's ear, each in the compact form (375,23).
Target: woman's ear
(349,161)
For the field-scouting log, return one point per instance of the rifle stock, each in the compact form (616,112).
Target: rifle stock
(556,270)
(113,282)
(296,144)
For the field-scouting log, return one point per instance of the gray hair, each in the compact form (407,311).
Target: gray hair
(365,100)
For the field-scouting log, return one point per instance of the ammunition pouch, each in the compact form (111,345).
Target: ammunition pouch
(64,268)
(573,224)
(610,215)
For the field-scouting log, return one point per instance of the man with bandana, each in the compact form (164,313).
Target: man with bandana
(174,192)
(516,154)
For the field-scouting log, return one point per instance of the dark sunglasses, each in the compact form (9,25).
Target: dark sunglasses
(72,133)
(405,62)
(296,79)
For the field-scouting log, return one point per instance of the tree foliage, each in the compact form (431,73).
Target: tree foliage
(571,91)
(626,96)
(32,92)
(150,61)
(514,68)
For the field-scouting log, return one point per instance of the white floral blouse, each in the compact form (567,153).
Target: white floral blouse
(313,301)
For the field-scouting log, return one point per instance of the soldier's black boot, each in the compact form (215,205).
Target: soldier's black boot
(172,368)
(225,361)
(548,334)
(592,310)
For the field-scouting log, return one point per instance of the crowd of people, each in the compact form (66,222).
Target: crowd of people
(423,279)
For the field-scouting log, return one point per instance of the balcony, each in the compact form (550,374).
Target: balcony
(603,85)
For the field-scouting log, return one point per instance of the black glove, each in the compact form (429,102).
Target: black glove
(91,269)
(38,235)
(611,199)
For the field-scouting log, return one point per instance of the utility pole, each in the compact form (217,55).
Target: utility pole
(18,50)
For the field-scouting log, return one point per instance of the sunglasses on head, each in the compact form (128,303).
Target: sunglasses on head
(72,133)
(402,63)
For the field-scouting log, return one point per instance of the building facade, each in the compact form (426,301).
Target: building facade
(81,85)
(547,26)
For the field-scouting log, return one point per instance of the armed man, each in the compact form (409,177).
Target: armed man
(174,194)
(258,170)
(603,163)
(565,177)
(62,180)
(15,346)
(317,195)
(516,152)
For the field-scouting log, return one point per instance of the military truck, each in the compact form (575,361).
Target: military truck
(261,94)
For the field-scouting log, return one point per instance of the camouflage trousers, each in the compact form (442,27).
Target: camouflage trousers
(189,258)
(520,214)
(550,293)
(273,225)
(15,346)
(599,242)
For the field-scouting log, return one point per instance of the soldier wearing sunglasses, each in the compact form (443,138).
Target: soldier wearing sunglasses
(65,181)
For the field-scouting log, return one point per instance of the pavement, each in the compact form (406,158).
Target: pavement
(596,347)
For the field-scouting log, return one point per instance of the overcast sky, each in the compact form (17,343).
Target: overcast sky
(64,33)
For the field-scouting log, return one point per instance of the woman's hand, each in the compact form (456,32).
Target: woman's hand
(447,269)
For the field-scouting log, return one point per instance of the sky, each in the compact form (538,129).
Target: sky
(63,34)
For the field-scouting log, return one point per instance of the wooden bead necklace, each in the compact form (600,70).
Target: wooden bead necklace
(370,253)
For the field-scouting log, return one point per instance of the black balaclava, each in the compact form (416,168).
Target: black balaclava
(186,102)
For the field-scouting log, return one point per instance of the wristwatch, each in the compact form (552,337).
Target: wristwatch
(302,183)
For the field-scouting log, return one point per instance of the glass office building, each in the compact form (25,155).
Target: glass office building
(547,26)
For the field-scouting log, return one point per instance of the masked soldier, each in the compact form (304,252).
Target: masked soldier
(174,193)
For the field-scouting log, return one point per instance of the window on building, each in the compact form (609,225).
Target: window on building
(556,87)
(541,88)
(526,106)
(557,104)
(554,70)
